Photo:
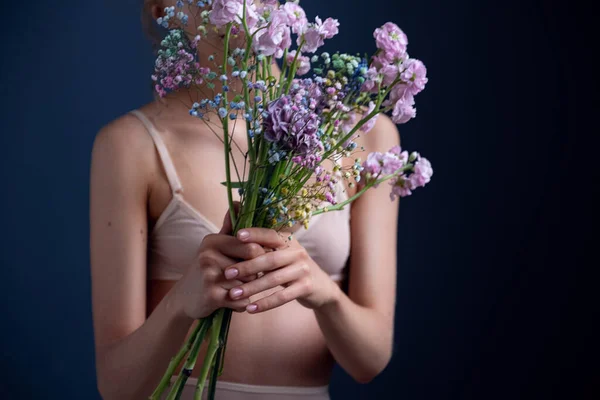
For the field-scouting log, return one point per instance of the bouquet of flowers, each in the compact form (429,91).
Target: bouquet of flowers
(313,111)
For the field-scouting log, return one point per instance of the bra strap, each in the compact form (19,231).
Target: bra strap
(163,152)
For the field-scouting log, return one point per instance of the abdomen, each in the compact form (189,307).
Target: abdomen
(281,347)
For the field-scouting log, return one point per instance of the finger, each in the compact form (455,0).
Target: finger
(236,305)
(266,262)
(263,236)
(227,284)
(233,248)
(213,263)
(227,227)
(273,279)
(278,298)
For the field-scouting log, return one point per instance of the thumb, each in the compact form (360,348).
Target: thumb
(227,228)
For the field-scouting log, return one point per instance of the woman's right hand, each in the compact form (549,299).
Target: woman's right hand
(204,288)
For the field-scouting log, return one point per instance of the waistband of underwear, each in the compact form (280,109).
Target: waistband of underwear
(246,388)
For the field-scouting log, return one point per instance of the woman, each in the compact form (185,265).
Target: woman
(159,261)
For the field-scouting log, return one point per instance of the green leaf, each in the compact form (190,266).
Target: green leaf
(235,185)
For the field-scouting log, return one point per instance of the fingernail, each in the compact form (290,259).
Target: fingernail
(237,292)
(251,307)
(231,273)
(242,235)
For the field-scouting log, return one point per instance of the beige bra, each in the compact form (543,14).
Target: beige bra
(175,239)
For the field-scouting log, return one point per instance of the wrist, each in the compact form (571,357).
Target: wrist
(333,298)
(175,306)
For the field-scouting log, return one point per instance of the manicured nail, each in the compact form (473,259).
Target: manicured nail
(251,307)
(231,273)
(237,292)
(243,235)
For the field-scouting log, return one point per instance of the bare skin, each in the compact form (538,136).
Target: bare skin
(294,336)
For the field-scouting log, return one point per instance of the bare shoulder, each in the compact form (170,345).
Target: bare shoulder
(123,145)
(381,138)
(123,134)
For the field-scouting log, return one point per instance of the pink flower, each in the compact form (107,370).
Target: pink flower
(402,155)
(348,123)
(415,76)
(370,123)
(276,38)
(296,16)
(396,150)
(312,40)
(315,35)
(329,28)
(371,81)
(400,187)
(302,63)
(378,164)
(392,41)
(373,164)
(404,110)
(397,93)
(390,72)
(226,11)
(422,173)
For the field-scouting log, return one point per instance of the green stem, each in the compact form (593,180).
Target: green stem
(283,72)
(293,68)
(225,122)
(175,361)
(218,363)
(213,346)
(188,367)
(341,205)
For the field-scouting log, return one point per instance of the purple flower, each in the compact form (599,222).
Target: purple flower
(329,28)
(390,72)
(370,123)
(402,155)
(403,186)
(404,110)
(312,40)
(400,188)
(390,163)
(392,41)
(276,38)
(302,63)
(349,122)
(226,11)
(398,92)
(422,173)
(296,16)
(315,35)
(372,165)
(415,76)
(382,164)
(293,128)
(372,80)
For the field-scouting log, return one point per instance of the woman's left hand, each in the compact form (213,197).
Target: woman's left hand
(289,265)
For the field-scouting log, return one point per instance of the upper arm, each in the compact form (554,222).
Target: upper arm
(118,225)
(373,221)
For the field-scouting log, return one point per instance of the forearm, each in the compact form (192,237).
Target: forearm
(359,338)
(132,367)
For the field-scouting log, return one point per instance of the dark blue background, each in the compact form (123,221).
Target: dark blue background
(492,297)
